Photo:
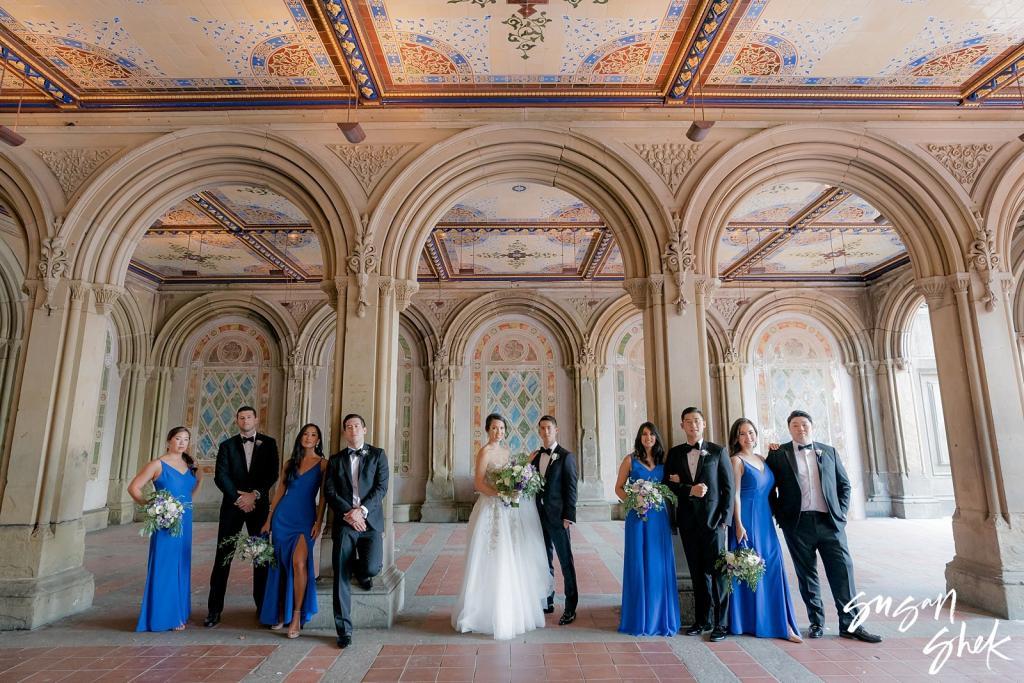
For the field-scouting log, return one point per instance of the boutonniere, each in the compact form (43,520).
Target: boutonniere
(259,442)
(362,451)
(702,453)
(554,457)
(818,453)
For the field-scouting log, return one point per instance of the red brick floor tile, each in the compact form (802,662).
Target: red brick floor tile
(448,660)
(559,659)
(528,674)
(623,647)
(389,662)
(383,675)
(316,664)
(462,649)
(590,647)
(496,661)
(427,650)
(304,677)
(598,673)
(598,659)
(734,657)
(637,672)
(455,674)
(492,675)
(655,646)
(527,660)
(396,650)
(421,674)
(826,668)
(741,670)
(421,661)
(225,676)
(493,649)
(672,673)
(555,673)
(628,658)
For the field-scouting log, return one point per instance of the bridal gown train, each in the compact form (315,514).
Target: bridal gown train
(506,581)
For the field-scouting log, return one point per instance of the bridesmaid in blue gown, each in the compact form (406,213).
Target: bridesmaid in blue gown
(650,599)
(768,611)
(294,522)
(166,598)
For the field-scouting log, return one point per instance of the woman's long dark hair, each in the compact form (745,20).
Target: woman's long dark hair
(734,434)
(657,451)
(291,470)
(184,456)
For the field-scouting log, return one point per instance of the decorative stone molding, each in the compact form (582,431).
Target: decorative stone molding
(732,355)
(52,265)
(369,163)
(73,166)
(587,364)
(984,259)
(670,160)
(298,308)
(334,290)
(361,263)
(862,368)
(584,306)
(104,297)
(644,291)
(706,288)
(79,290)
(897,364)
(404,290)
(386,286)
(964,162)
(933,289)
(959,282)
(727,307)
(678,260)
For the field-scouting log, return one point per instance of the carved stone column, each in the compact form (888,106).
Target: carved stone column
(299,378)
(127,456)
(9,352)
(439,504)
(586,373)
(983,400)
(42,578)
(865,386)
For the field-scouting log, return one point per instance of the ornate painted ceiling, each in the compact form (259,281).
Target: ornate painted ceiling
(231,233)
(807,231)
(143,54)
(520,231)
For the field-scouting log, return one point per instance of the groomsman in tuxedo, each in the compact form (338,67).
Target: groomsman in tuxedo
(557,507)
(357,481)
(700,475)
(810,500)
(247,466)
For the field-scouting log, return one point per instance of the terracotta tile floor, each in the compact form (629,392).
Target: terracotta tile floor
(101,645)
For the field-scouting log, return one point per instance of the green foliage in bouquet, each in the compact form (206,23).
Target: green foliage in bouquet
(255,549)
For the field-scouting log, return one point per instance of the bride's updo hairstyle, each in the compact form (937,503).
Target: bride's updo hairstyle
(494,417)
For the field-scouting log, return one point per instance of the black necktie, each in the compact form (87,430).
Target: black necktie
(804,447)
(250,439)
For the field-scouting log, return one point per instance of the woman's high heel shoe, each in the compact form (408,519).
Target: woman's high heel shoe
(296,618)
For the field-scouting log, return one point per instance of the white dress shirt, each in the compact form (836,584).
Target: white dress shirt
(545,460)
(248,447)
(354,458)
(811,497)
(693,458)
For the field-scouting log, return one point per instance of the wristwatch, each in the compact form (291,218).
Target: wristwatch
(365,511)
(257,494)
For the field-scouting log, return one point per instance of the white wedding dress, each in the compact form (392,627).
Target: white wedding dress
(506,581)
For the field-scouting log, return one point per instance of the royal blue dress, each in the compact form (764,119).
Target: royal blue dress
(650,599)
(293,519)
(768,611)
(165,601)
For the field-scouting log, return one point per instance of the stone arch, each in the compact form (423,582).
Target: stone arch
(315,337)
(932,220)
(173,338)
(609,322)
(129,195)
(1000,193)
(424,337)
(895,314)
(12,334)
(838,318)
(31,210)
(547,155)
(134,337)
(478,311)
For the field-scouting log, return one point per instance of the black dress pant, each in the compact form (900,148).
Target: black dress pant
(816,533)
(702,548)
(556,541)
(355,552)
(231,522)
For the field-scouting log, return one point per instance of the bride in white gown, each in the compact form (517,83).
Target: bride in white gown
(506,583)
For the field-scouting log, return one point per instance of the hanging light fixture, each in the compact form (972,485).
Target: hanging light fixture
(352,131)
(700,128)
(7,135)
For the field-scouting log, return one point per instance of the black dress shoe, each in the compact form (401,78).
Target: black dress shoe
(567,618)
(860,634)
(718,634)
(212,619)
(815,631)
(550,609)
(696,630)
(344,641)
(366,584)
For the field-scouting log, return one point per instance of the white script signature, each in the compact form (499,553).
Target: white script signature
(947,642)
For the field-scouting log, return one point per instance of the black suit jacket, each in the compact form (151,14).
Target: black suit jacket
(784,497)
(231,475)
(714,469)
(558,499)
(373,486)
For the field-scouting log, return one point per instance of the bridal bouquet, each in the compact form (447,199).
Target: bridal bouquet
(742,564)
(162,511)
(517,479)
(643,495)
(255,549)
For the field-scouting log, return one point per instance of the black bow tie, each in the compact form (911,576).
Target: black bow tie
(355,451)
(542,451)
(806,446)
(687,448)
(250,439)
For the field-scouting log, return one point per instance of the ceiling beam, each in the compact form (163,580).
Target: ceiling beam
(708,24)
(989,81)
(44,82)
(340,17)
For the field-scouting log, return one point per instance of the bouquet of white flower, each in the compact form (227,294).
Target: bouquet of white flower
(255,549)
(162,511)
(742,564)
(643,495)
(516,479)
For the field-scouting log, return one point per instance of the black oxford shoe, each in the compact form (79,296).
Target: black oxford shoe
(860,634)
(718,635)
(212,619)
(550,609)
(344,641)
(695,630)
(567,618)
(816,631)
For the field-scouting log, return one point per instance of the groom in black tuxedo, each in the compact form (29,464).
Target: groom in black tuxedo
(810,500)
(357,481)
(557,507)
(247,466)
(700,475)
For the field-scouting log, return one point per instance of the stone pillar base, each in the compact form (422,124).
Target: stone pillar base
(593,511)
(94,520)
(913,507)
(408,512)
(375,608)
(439,511)
(31,603)
(120,513)
(999,593)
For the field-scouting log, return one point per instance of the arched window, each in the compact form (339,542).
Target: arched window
(513,375)
(629,385)
(403,427)
(926,381)
(796,367)
(230,367)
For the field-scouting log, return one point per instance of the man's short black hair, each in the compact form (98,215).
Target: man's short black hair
(246,408)
(691,409)
(798,413)
(349,417)
(547,418)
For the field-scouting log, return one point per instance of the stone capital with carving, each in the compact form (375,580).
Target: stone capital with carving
(706,287)
(984,260)
(678,259)
(361,262)
(334,289)
(404,290)
(53,265)
(105,296)
(933,289)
